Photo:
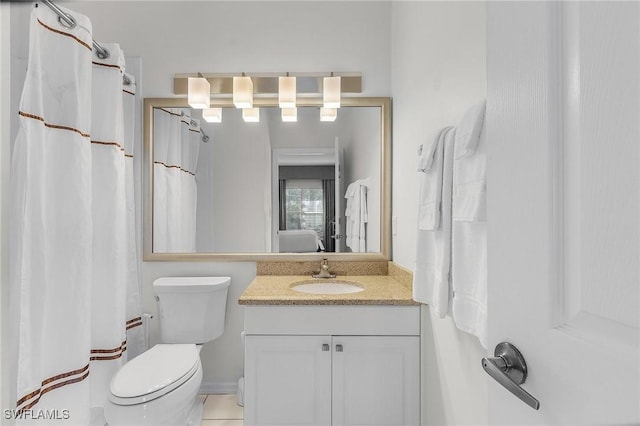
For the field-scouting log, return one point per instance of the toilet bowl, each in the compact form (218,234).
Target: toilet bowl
(161,385)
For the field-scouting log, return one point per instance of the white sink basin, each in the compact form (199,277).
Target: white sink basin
(326,287)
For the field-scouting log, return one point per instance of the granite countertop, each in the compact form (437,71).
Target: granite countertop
(276,290)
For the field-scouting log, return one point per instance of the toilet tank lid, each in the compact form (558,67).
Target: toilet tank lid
(158,368)
(190,284)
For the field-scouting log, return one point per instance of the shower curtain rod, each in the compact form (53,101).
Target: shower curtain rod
(70,22)
(205,138)
(194,123)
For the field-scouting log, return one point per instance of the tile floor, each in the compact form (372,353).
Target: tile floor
(221,410)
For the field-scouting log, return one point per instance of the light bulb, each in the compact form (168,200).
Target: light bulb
(331,92)
(243,92)
(251,115)
(199,92)
(287,92)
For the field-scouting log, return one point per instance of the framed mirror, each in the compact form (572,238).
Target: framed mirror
(267,190)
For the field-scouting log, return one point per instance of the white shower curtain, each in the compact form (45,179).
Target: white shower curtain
(109,291)
(69,250)
(176,148)
(135,334)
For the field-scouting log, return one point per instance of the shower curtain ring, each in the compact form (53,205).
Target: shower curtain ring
(67,20)
(101,52)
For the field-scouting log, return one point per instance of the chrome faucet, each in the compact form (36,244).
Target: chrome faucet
(324,270)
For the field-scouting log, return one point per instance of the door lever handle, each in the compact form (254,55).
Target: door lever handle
(508,368)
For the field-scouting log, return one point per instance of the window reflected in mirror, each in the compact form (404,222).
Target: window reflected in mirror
(302,208)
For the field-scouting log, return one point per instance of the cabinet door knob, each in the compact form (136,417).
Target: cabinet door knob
(339,348)
(325,347)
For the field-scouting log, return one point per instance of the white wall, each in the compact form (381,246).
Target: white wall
(241,184)
(307,132)
(178,36)
(438,70)
(261,36)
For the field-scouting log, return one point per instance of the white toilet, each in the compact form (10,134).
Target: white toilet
(160,386)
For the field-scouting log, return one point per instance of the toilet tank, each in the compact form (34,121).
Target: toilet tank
(191,309)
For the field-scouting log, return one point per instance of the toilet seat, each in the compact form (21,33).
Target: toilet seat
(154,373)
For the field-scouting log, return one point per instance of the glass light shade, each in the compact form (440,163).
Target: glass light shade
(212,115)
(199,92)
(328,114)
(243,92)
(287,92)
(331,92)
(251,115)
(289,115)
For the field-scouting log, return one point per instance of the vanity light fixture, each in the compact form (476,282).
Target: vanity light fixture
(242,91)
(331,91)
(267,84)
(289,115)
(212,115)
(251,115)
(328,114)
(287,92)
(199,92)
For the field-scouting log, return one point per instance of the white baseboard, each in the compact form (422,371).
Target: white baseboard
(218,388)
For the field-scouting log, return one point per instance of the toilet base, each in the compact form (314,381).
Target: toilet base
(181,406)
(195,418)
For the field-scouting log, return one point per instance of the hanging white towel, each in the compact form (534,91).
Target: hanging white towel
(364,218)
(470,180)
(469,246)
(426,153)
(356,216)
(431,279)
(430,196)
(468,131)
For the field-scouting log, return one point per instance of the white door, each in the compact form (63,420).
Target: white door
(563,187)
(287,380)
(376,380)
(339,193)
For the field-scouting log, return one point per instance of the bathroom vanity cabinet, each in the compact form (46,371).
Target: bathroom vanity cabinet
(332,365)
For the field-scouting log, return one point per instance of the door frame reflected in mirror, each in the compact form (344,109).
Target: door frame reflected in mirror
(384,103)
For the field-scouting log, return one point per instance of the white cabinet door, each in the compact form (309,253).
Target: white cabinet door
(287,380)
(376,380)
(344,380)
(562,120)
